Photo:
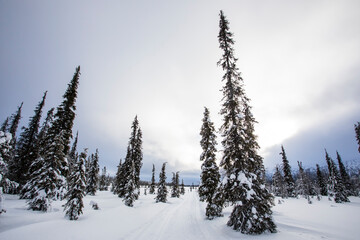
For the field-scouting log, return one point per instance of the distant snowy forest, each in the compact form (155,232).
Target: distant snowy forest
(42,164)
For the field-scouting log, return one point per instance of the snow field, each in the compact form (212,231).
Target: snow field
(182,218)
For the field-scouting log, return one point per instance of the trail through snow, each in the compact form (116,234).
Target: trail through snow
(179,218)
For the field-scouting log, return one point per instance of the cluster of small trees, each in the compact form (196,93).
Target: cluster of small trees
(335,182)
(242,182)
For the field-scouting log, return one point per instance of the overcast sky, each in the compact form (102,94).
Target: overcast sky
(300,61)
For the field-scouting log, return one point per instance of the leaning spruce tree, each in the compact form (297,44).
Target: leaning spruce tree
(344,176)
(76,193)
(244,181)
(288,178)
(162,190)
(27,146)
(64,121)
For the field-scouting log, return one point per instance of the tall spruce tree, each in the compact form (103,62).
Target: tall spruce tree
(27,146)
(345,178)
(102,180)
(5,139)
(152,185)
(304,187)
(357,134)
(335,185)
(321,181)
(244,181)
(210,175)
(162,190)
(288,178)
(64,121)
(76,193)
(93,178)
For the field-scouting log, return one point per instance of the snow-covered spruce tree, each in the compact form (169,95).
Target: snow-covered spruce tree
(76,192)
(162,190)
(5,139)
(345,178)
(103,181)
(288,178)
(357,134)
(321,181)
(182,187)
(175,190)
(117,179)
(244,182)
(10,156)
(278,187)
(335,185)
(131,193)
(210,175)
(64,121)
(125,167)
(152,184)
(27,145)
(138,157)
(93,178)
(72,157)
(303,185)
(46,181)
(27,191)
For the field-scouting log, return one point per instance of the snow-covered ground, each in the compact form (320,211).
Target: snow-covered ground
(178,219)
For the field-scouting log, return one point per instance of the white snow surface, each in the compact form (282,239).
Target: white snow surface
(182,218)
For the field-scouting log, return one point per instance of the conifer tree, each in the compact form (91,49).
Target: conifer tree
(138,157)
(45,182)
(335,185)
(64,120)
(27,191)
(304,186)
(117,179)
(10,156)
(5,139)
(320,181)
(289,181)
(76,193)
(124,169)
(175,191)
(130,186)
(357,134)
(210,175)
(27,146)
(278,183)
(345,178)
(182,188)
(244,183)
(103,181)
(152,185)
(162,190)
(93,178)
